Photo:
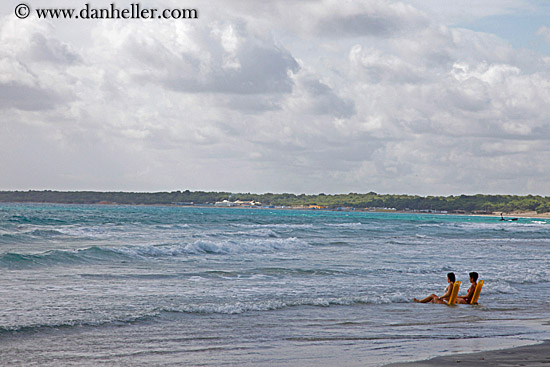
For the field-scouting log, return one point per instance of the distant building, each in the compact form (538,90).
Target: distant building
(225,203)
(247,203)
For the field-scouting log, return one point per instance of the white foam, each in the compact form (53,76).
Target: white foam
(500,287)
(269,305)
(348,225)
(276,225)
(259,232)
(505,226)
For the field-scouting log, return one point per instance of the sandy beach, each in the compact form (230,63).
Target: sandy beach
(530,356)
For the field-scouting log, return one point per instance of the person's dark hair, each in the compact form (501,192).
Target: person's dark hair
(474,276)
(451,277)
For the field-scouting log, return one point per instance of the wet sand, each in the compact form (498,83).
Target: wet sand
(529,356)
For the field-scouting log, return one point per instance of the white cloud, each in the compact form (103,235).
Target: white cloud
(31,66)
(216,58)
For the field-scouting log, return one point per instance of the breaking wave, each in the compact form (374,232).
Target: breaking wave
(97,254)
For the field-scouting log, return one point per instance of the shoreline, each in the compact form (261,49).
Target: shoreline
(515,214)
(535,355)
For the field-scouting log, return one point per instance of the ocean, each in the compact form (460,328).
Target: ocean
(93,285)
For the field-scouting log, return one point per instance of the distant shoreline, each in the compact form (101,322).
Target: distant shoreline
(511,205)
(507,215)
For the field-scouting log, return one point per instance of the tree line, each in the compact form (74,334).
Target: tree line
(462,203)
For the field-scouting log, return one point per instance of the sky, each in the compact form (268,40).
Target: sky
(423,97)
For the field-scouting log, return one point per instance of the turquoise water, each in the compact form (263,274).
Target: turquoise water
(169,286)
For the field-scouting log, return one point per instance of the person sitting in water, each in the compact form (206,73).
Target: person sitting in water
(468,297)
(432,298)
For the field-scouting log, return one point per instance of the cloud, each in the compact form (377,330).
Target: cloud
(31,66)
(317,98)
(462,11)
(376,66)
(371,18)
(27,98)
(219,57)
(336,19)
(544,32)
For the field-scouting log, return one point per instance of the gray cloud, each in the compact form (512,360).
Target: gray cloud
(378,67)
(375,19)
(321,99)
(261,70)
(31,65)
(219,58)
(28,98)
(42,49)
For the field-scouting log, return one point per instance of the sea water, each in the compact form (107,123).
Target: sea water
(90,285)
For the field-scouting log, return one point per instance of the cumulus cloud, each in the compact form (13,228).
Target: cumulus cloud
(371,18)
(218,57)
(317,98)
(376,66)
(31,66)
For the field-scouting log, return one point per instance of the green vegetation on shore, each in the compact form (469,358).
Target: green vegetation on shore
(462,203)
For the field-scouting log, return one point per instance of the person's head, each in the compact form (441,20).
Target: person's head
(451,277)
(474,276)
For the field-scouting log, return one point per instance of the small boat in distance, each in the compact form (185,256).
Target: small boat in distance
(509,219)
